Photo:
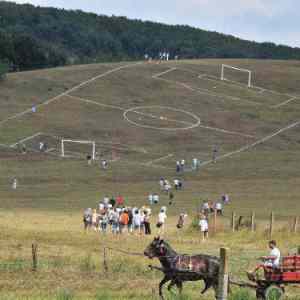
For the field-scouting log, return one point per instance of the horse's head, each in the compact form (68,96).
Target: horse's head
(158,248)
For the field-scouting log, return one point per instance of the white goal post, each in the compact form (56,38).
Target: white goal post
(236,69)
(63,141)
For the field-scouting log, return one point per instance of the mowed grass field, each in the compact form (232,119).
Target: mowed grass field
(143,117)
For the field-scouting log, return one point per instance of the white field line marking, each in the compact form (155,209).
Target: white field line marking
(68,91)
(207,92)
(26,139)
(165,72)
(96,103)
(159,159)
(261,141)
(134,111)
(50,150)
(284,103)
(261,89)
(227,131)
(162,118)
(159,118)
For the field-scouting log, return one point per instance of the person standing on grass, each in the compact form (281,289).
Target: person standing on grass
(162,216)
(215,154)
(95,220)
(87,218)
(150,198)
(136,221)
(14,183)
(120,201)
(182,165)
(162,184)
(115,229)
(219,208)
(178,168)
(123,221)
(147,222)
(155,198)
(203,225)
(181,220)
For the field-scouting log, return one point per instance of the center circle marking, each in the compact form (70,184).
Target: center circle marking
(135,109)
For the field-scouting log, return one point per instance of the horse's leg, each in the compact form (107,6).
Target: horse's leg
(172,283)
(161,284)
(179,286)
(208,283)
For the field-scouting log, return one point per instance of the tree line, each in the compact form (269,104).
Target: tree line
(35,37)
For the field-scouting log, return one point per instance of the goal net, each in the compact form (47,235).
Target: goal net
(231,73)
(78,148)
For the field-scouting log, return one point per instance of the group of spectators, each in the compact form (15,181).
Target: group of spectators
(116,218)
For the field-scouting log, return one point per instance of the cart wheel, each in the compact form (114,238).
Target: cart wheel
(274,292)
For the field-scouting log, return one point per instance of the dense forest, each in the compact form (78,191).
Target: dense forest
(35,37)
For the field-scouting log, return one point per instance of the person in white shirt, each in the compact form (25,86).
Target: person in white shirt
(14,183)
(162,216)
(150,198)
(155,198)
(203,224)
(219,208)
(272,261)
(136,221)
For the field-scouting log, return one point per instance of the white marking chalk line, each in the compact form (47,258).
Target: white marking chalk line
(207,92)
(261,141)
(261,89)
(285,102)
(67,92)
(165,72)
(124,109)
(227,131)
(159,159)
(26,139)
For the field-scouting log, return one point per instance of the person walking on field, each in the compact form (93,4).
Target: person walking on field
(162,216)
(14,183)
(215,154)
(147,223)
(203,224)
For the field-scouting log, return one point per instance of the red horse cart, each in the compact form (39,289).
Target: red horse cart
(272,286)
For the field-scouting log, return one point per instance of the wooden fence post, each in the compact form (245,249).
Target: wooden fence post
(271,225)
(233,222)
(34,250)
(253,221)
(223,275)
(295,226)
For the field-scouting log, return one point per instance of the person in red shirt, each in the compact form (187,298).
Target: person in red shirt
(120,200)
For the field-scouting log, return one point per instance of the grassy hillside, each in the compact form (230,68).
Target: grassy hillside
(145,117)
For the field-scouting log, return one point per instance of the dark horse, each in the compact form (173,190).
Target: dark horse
(179,268)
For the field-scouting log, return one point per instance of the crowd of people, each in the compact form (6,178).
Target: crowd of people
(111,215)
